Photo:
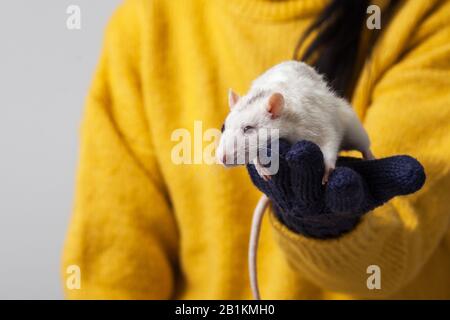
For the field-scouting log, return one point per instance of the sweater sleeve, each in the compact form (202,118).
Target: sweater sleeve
(409,114)
(122,234)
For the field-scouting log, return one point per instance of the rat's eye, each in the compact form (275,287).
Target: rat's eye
(248,128)
(223,128)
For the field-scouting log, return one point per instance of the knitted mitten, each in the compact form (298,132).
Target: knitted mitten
(356,186)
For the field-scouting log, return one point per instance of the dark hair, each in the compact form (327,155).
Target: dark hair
(334,51)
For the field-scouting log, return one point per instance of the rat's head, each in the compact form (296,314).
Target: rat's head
(252,122)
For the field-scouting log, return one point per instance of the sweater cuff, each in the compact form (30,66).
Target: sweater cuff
(321,226)
(341,264)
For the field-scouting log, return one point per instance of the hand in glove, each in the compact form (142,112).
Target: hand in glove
(354,188)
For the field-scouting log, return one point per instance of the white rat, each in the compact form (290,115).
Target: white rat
(294,99)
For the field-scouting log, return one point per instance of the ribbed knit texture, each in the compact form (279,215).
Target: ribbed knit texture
(146,227)
(355,187)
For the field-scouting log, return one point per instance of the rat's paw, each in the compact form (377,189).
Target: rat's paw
(263,172)
(326,175)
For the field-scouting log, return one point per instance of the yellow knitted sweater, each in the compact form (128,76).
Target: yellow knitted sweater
(145,227)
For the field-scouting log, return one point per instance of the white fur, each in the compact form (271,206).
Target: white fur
(311,112)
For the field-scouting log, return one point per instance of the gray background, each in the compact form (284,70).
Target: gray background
(45,71)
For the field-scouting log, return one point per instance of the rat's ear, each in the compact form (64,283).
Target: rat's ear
(275,104)
(233,98)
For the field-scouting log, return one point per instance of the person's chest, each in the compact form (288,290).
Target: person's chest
(187,71)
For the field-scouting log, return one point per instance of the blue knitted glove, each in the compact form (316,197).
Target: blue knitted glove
(356,186)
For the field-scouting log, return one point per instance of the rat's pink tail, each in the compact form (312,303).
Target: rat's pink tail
(253,245)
